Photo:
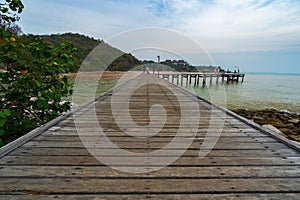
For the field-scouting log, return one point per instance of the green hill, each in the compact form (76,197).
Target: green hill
(85,45)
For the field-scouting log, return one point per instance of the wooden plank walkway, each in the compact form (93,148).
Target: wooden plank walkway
(245,162)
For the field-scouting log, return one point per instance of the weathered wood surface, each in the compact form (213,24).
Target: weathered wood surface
(244,163)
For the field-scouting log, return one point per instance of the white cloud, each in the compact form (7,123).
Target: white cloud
(228,26)
(218,25)
(238,25)
(100,19)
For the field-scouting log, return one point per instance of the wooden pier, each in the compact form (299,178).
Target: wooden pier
(247,162)
(201,78)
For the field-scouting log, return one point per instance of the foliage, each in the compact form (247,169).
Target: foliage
(85,45)
(124,63)
(181,67)
(32,86)
(207,69)
(8,15)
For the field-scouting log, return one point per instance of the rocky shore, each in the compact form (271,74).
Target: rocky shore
(288,124)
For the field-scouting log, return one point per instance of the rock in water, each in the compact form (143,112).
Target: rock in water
(274,129)
(294,121)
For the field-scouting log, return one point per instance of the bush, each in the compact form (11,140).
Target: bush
(32,84)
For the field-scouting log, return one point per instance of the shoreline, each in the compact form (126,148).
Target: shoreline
(284,123)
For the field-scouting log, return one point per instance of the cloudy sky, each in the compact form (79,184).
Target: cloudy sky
(255,35)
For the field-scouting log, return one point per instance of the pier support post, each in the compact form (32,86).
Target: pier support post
(217,78)
(198,78)
(204,80)
(187,79)
(211,77)
(181,79)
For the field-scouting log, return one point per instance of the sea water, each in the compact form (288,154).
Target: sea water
(258,91)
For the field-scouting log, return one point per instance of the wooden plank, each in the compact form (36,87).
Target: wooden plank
(227,195)
(145,186)
(120,160)
(219,172)
(145,145)
(157,138)
(32,151)
(166,132)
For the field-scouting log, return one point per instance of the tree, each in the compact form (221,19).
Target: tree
(32,84)
(9,10)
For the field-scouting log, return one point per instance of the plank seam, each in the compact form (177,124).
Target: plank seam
(146,192)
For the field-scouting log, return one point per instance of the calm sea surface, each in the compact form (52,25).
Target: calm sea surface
(259,91)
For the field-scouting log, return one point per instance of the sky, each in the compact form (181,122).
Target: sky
(255,35)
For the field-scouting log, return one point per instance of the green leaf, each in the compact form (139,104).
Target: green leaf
(39,84)
(2,114)
(2,132)
(6,34)
(7,112)
(3,120)
(42,104)
(1,143)
(42,99)
(4,10)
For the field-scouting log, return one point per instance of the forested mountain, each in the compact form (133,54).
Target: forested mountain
(85,45)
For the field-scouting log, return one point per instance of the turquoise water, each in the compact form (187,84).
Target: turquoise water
(259,91)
